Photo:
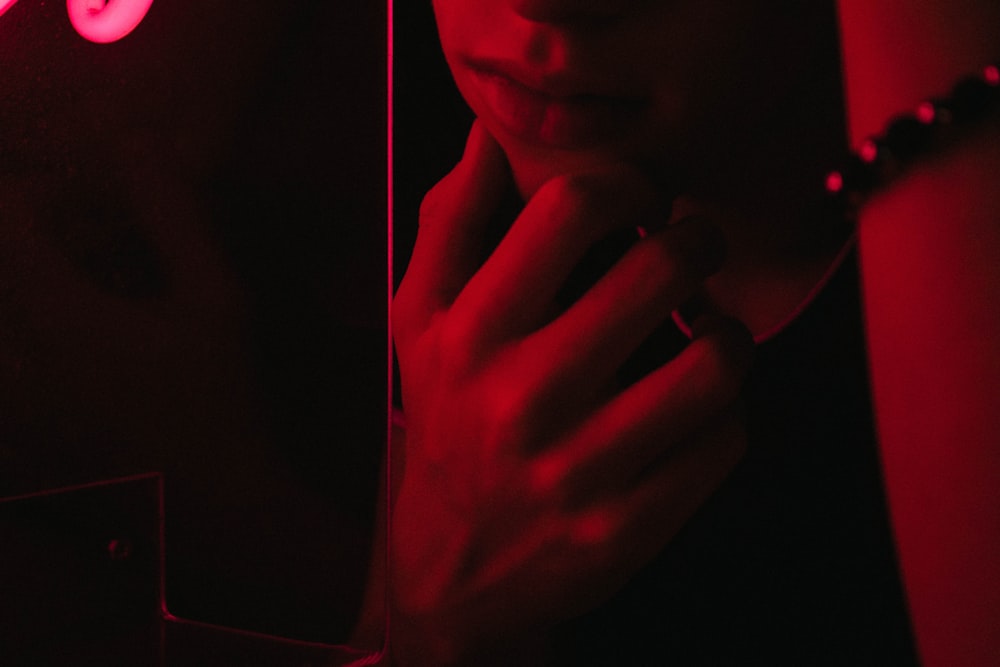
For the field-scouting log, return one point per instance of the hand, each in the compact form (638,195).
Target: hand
(533,488)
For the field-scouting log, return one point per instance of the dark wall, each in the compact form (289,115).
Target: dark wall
(430,123)
(192,281)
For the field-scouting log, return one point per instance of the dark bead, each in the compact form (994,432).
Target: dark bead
(881,159)
(907,137)
(837,196)
(843,203)
(971,99)
(859,176)
(944,113)
(880,163)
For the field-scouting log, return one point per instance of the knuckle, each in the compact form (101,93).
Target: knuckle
(510,408)
(456,338)
(559,482)
(595,527)
(431,204)
(619,182)
(661,259)
(612,196)
(658,272)
(571,193)
(716,364)
(546,480)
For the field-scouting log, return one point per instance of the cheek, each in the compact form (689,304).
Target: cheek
(461,23)
(448,17)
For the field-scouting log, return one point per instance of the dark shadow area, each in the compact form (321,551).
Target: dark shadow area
(193,282)
(430,121)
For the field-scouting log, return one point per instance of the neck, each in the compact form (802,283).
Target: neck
(768,196)
(763,184)
(767,277)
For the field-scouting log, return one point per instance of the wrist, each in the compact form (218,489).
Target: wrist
(897,53)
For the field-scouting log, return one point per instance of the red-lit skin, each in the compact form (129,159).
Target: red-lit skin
(530,493)
(672,87)
(930,260)
(523,479)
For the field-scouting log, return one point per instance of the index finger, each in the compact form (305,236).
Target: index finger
(453,219)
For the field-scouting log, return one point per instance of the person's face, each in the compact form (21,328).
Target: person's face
(675,85)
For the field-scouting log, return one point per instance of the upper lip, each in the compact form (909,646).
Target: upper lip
(560,85)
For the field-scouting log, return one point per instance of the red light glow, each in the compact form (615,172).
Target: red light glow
(869,151)
(104,22)
(834,182)
(101,21)
(926,113)
(992,75)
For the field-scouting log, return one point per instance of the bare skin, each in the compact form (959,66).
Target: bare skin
(531,491)
(526,486)
(930,252)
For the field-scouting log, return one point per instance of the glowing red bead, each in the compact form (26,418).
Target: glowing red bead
(869,151)
(991,74)
(926,113)
(834,182)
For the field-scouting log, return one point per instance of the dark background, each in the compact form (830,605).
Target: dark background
(193,281)
(430,122)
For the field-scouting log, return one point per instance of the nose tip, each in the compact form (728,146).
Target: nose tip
(570,11)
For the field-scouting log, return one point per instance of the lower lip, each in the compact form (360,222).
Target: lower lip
(563,122)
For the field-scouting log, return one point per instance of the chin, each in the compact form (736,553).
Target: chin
(533,166)
(532,174)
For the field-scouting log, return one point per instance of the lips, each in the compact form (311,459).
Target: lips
(555,110)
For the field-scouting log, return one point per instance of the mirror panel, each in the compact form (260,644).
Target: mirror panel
(193,262)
